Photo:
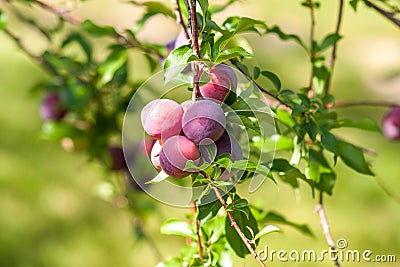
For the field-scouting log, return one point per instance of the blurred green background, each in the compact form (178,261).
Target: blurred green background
(51,215)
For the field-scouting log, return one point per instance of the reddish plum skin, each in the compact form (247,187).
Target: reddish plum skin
(391,124)
(51,108)
(203,119)
(155,155)
(162,118)
(228,144)
(221,76)
(175,153)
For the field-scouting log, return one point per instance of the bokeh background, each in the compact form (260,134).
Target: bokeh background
(51,214)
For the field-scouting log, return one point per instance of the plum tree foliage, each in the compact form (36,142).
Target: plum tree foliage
(85,98)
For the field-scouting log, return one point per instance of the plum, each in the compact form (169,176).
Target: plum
(228,144)
(391,124)
(221,76)
(162,118)
(204,119)
(51,108)
(175,153)
(155,155)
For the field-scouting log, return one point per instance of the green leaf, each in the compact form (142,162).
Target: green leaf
(224,161)
(220,8)
(3,19)
(177,227)
(161,176)
(311,129)
(353,4)
(329,141)
(286,37)
(152,8)
(208,152)
(210,205)
(364,124)
(247,165)
(176,62)
(272,143)
(289,174)
(115,60)
(266,230)
(96,30)
(75,96)
(328,41)
(242,222)
(240,203)
(273,78)
(204,6)
(320,77)
(82,42)
(276,217)
(235,25)
(256,73)
(285,117)
(236,52)
(326,183)
(353,157)
(56,131)
(317,165)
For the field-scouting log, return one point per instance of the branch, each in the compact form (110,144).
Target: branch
(179,19)
(195,44)
(371,103)
(197,227)
(325,226)
(385,13)
(334,50)
(245,240)
(64,14)
(21,46)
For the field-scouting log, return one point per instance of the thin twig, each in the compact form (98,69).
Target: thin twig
(386,14)
(64,14)
(179,19)
(245,240)
(21,46)
(325,226)
(371,103)
(197,228)
(312,52)
(335,46)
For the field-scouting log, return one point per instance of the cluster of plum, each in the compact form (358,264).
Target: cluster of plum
(182,130)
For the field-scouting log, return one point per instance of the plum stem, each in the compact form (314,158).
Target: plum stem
(179,19)
(325,226)
(242,236)
(332,60)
